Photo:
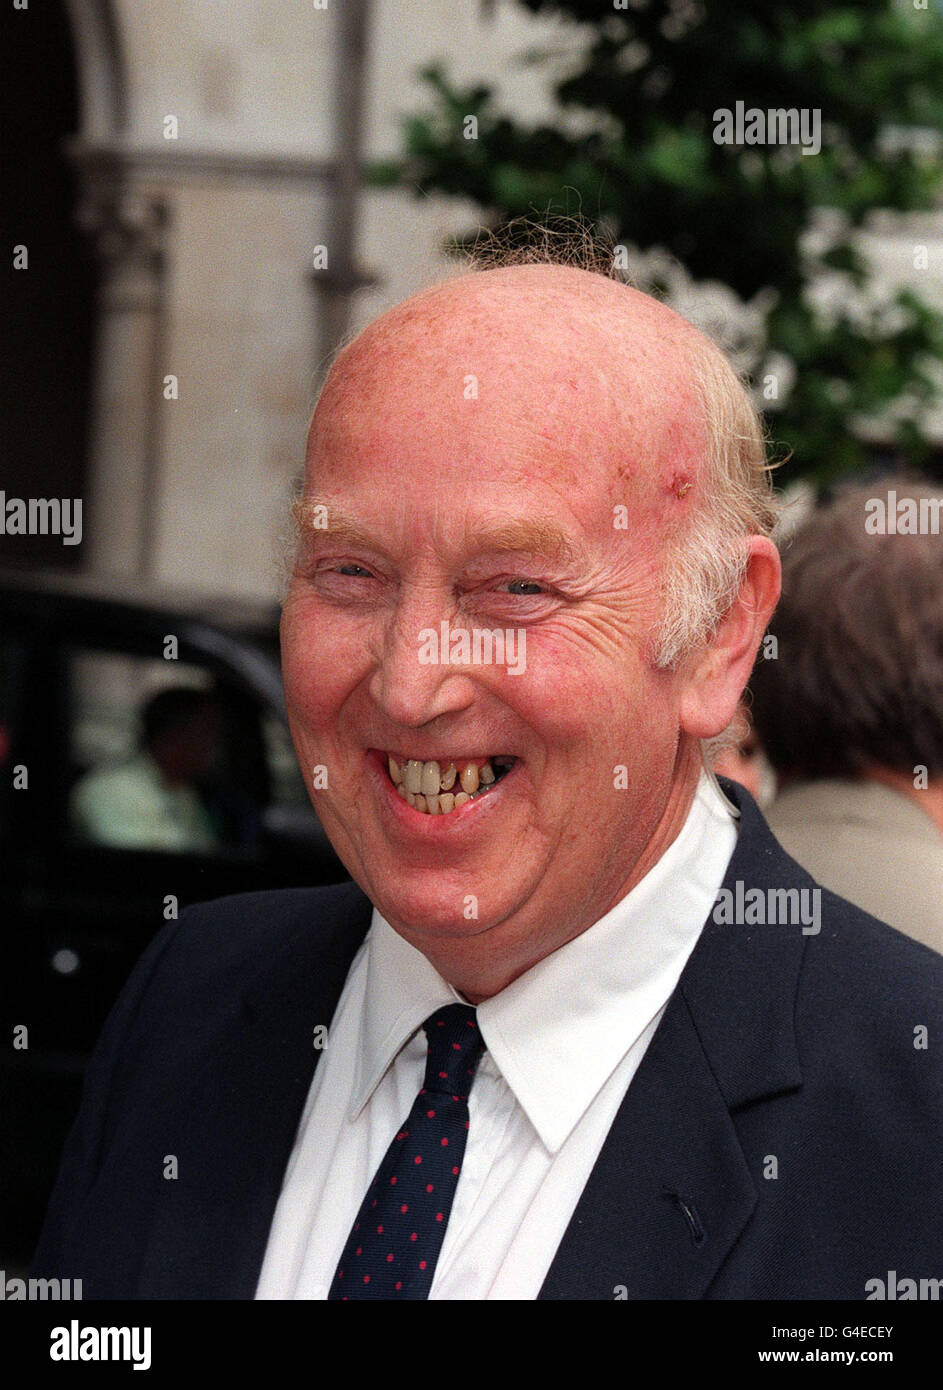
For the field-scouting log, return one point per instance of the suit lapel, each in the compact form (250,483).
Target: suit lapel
(211,1229)
(671,1191)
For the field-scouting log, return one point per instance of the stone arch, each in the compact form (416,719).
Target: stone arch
(51,306)
(103,88)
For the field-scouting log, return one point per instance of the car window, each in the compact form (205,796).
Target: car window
(163,756)
(287,786)
(12,684)
(108,689)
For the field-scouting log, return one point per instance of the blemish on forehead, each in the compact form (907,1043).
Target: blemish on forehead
(624,470)
(674,493)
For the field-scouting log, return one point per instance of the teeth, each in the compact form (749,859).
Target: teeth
(431,772)
(428,786)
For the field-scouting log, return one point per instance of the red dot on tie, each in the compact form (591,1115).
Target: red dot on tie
(456,1047)
(399,1285)
(392,1184)
(389,1259)
(374,1202)
(444,1143)
(379,1230)
(366,1278)
(428,1186)
(430,1114)
(404,1207)
(455,1171)
(358,1250)
(441,1023)
(442,1074)
(414,1236)
(418,1158)
(456,1097)
(422,1264)
(438,1216)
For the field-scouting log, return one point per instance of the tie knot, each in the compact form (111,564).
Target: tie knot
(455,1048)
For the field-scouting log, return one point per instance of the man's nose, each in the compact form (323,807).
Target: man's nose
(413,681)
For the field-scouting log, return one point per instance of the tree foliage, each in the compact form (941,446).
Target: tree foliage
(632,145)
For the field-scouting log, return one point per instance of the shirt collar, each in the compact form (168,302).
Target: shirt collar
(403,988)
(558,1031)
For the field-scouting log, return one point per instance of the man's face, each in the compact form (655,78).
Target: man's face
(455,443)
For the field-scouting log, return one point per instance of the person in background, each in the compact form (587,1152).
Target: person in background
(850,713)
(151,800)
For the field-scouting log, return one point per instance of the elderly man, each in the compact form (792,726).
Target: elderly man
(579,1028)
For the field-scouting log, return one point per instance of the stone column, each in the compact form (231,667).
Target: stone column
(127,226)
(343,276)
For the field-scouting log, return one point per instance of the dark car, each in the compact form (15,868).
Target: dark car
(78,662)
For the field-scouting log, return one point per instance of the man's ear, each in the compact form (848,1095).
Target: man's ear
(717,673)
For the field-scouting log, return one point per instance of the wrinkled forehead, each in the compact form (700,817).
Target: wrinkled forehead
(584,367)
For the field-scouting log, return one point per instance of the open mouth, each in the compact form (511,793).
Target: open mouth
(438,788)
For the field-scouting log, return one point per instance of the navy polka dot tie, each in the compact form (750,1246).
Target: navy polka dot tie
(395,1242)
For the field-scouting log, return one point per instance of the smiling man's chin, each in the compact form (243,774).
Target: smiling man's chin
(431,903)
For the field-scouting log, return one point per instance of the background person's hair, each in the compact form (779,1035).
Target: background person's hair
(705,562)
(171,709)
(858,678)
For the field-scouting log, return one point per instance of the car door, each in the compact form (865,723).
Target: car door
(81,904)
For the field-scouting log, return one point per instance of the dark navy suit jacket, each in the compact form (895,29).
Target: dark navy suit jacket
(782,1137)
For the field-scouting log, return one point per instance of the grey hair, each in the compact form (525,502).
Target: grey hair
(706,559)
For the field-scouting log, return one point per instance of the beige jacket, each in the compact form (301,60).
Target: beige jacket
(870,845)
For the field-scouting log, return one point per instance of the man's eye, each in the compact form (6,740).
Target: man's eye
(529,585)
(346,569)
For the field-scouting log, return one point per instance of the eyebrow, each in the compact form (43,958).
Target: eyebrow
(532,536)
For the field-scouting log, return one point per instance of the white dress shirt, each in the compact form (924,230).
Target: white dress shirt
(563,1043)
